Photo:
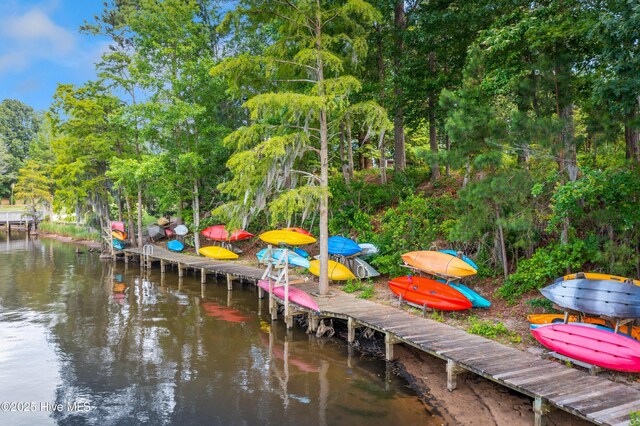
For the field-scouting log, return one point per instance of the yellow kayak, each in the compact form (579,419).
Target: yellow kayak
(119,235)
(598,276)
(559,318)
(438,263)
(291,238)
(216,252)
(337,271)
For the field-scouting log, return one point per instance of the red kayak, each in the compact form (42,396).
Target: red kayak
(424,291)
(296,295)
(593,345)
(219,233)
(299,231)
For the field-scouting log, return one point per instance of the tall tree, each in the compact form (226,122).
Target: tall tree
(305,92)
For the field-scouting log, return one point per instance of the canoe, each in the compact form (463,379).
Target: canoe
(598,276)
(342,246)
(118,245)
(559,319)
(216,252)
(363,269)
(291,238)
(156,232)
(368,249)
(297,296)
(422,291)
(175,245)
(181,230)
(337,271)
(277,254)
(595,346)
(476,300)
(596,297)
(118,226)
(219,233)
(119,235)
(438,263)
(298,230)
(463,257)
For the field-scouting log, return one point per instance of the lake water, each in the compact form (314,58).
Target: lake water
(88,342)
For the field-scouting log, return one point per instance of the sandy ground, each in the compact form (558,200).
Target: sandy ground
(476,401)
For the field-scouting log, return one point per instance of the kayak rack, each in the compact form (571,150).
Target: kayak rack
(550,385)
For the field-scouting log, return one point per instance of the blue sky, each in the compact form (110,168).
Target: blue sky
(40,46)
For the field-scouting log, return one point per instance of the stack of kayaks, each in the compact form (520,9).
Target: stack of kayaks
(277,257)
(591,341)
(431,292)
(344,250)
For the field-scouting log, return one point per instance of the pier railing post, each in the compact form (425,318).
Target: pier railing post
(389,343)
(453,369)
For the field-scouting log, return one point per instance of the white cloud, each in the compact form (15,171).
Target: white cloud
(32,36)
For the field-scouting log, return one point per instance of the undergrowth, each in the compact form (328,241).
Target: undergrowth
(69,230)
(491,330)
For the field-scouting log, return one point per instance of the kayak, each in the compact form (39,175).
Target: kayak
(438,263)
(219,233)
(342,246)
(598,276)
(298,230)
(277,254)
(291,238)
(423,291)
(119,235)
(175,245)
(181,230)
(337,271)
(368,249)
(463,257)
(119,226)
(118,245)
(156,232)
(540,319)
(216,252)
(297,296)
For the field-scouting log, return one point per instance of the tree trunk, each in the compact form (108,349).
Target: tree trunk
(196,215)
(132,235)
(503,249)
(350,150)
(447,141)
(323,279)
(140,237)
(383,159)
(433,135)
(398,118)
(343,164)
(632,143)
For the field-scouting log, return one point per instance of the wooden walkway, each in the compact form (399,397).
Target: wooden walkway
(550,384)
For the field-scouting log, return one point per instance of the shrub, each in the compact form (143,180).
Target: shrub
(491,330)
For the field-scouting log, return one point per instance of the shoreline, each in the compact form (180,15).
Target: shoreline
(476,401)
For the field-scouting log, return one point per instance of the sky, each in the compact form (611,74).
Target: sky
(40,46)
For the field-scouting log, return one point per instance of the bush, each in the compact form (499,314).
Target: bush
(491,330)
(546,264)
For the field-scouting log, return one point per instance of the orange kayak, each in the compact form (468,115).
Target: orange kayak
(599,276)
(119,235)
(438,263)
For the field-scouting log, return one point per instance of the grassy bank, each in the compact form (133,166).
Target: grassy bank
(69,230)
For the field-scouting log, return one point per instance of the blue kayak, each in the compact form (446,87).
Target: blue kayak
(301,252)
(118,245)
(465,258)
(175,245)
(342,246)
(277,254)
(476,300)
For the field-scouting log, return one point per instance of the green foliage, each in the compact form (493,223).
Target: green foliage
(540,302)
(70,230)
(547,264)
(365,289)
(491,330)
(634,418)
(415,224)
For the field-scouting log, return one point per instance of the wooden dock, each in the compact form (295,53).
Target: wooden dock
(550,384)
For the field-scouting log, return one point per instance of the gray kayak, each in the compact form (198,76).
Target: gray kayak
(596,297)
(156,232)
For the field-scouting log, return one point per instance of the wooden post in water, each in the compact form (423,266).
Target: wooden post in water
(229,282)
(180,270)
(203,275)
(162,266)
(352,325)
(389,343)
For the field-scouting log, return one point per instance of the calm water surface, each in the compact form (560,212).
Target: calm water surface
(87,342)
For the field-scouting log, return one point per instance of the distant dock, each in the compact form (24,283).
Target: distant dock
(550,384)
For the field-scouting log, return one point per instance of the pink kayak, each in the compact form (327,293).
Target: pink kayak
(297,296)
(595,346)
(219,233)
